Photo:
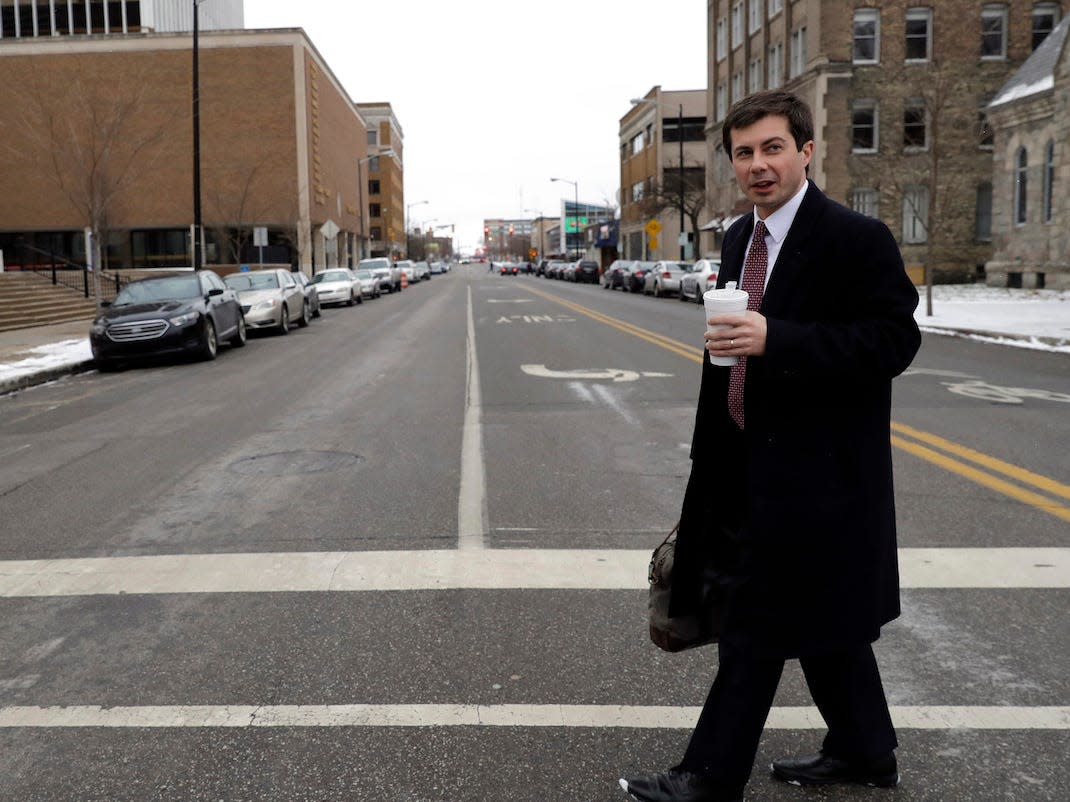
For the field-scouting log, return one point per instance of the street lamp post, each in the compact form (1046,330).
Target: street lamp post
(680,167)
(576,188)
(408,208)
(198,257)
(389,152)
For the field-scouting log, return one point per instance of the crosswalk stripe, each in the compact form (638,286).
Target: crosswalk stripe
(493,569)
(462,715)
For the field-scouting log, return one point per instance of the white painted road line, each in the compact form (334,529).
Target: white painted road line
(490,569)
(446,715)
(472,501)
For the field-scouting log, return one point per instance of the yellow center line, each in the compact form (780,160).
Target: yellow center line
(986,479)
(992,463)
(1022,475)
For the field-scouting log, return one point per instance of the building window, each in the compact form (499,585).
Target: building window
(737,24)
(637,143)
(722,39)
(755,75)
(776,65)
(918,34)
(994,32)
(637,192)
(1049,180)
(1045,18)
(373,164)
(864,126)
(915,214)
(737,86)
(375,210)
(374,187)
(377,233)
(915,128)
(373,137)
(867,43)
(722,101)
(1021,185)
(864,201)
(983,217)
(798,52)
(755,24)
(775,7)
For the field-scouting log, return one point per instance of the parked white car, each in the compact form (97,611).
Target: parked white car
(664,278)
(702,277)
(339,285)
(369,283)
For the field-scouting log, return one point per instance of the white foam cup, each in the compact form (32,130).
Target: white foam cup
(721,302)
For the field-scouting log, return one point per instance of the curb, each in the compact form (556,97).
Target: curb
(1055,342)
(44,376)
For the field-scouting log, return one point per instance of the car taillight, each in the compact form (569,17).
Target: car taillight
(666,274)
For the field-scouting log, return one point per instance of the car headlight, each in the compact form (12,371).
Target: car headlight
(182,320)
(267,304)
(99,326)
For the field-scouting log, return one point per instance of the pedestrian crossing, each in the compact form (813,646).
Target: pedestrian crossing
(488,569)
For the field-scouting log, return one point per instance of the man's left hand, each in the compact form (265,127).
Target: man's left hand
(742,335)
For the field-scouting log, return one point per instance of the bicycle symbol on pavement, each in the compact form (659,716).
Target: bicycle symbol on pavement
(973,387)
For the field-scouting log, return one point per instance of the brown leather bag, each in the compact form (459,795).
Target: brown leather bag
(683,632)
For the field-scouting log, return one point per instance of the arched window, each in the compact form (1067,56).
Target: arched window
(1049,179)
(1021,174)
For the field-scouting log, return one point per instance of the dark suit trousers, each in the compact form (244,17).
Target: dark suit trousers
(845,685)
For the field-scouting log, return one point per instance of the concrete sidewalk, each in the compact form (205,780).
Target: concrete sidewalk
(18,348)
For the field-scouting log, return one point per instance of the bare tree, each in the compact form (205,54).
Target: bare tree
(236,206)
(929,179)
(91,141)
(675,191)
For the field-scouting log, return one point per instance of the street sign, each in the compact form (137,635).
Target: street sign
(330,229)
(260,236)
(653,243)
(653,228)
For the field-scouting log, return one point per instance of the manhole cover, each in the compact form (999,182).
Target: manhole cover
(296,463)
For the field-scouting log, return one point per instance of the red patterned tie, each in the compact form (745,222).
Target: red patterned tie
(754,285)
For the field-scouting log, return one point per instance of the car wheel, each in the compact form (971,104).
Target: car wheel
(349,300)
(284,320)
(241,335)
(360,297)
(682,296)
(209,342)
(317,312)
(306,315)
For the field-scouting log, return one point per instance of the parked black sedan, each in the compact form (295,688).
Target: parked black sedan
(185,314)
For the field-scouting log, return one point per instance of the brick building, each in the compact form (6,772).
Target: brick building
(1031,201)
(899,92)
(385,191)
(105,122)
(652,135)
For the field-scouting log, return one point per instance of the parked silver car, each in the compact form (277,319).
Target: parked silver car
(664,278)
(339,285)
(701,278)
(386,269)
(270,299)
(370,284)
(312,298)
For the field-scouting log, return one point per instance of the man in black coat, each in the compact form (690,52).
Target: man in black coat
(789,514)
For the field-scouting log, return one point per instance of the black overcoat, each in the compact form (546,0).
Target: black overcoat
(794,517)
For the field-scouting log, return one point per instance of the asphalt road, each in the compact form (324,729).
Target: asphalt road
(398,556)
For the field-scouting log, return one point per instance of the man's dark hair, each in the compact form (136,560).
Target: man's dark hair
(772,102)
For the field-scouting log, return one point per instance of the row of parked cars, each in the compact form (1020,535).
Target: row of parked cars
(193,313)
(686,280)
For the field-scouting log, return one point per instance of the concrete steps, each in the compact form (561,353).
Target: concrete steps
(29,300)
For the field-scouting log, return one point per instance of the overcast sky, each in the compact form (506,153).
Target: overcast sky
(494,97)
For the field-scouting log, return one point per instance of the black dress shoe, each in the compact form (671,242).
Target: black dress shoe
(674,785)
(827,770)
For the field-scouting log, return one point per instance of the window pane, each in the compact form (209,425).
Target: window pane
(864,128)
(914,127)
(992,33)
(983,223)
(917,36)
